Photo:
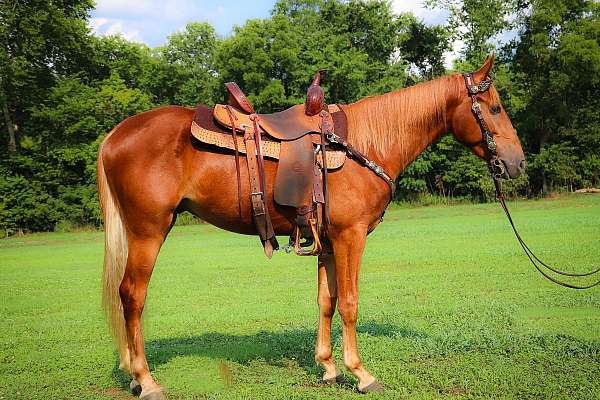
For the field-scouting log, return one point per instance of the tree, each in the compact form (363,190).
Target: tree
(476,22)
(424,46)
(190,54)
(53,179)
(39,41)
(557,57)
(361,44)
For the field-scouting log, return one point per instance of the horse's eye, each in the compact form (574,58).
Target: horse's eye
(495,109)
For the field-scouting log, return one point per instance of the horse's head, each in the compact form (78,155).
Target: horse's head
(480,112)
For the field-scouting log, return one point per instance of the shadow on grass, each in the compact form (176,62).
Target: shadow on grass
(297,345)
(275,348)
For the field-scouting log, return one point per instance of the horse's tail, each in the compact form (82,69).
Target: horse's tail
(115,259)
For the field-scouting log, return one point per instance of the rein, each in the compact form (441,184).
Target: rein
(497,171)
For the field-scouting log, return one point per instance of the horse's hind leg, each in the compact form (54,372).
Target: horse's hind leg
(140,262)
(326,298)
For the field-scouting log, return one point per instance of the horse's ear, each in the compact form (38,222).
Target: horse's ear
(485,69)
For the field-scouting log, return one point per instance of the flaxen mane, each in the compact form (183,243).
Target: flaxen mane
(403,116)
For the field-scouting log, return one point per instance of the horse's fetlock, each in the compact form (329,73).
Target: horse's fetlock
(322,355)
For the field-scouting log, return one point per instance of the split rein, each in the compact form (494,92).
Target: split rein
(497,170)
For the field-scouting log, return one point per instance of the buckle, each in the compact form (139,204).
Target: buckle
(258,204)
(332,137)
(497,168)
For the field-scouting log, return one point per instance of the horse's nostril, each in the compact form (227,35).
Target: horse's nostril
(523,165)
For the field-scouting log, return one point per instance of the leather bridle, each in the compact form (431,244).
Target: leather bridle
(497,171)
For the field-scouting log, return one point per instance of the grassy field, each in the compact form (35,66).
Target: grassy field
(449,308)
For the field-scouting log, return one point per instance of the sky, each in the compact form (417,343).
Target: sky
(152,21)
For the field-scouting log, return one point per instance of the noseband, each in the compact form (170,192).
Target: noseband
(497,171)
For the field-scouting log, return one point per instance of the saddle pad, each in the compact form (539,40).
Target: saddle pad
(270,149)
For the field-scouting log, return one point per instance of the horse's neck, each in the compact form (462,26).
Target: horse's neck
(396,127)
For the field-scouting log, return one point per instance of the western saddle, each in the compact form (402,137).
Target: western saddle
(308,139)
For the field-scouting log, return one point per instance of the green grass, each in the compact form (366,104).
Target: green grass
(449,308)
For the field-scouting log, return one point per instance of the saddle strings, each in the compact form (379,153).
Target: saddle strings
(531,255)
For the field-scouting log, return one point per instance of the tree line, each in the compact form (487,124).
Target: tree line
(62,89)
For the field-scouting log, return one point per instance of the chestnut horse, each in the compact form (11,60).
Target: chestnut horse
(150,168)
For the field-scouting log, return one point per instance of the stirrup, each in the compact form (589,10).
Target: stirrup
(316,245)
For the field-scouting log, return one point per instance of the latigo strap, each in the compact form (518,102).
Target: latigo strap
(260,211)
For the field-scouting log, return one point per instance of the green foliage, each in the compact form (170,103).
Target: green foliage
(25,203)
(424,46)
(557,61)
(274,59)
(62,89)
(57,164)
(476,22)
(556,164)
(39,40)
(191,56)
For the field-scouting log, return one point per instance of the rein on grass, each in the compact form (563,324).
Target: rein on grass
(537,263)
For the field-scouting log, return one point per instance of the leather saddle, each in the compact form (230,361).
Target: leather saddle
(301,131)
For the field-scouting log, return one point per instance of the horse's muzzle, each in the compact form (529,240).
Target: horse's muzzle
(514,167)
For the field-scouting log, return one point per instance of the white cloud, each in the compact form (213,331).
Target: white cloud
(419,10)
(110,27)
(150,21)
(129,7)
(413,6)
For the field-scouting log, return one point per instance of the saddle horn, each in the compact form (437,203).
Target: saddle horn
(315,96)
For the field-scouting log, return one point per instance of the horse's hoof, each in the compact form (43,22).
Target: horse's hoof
(339,379)
(153,396)
(135,387)
(373,387)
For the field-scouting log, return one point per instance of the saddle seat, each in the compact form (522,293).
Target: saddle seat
(286,125)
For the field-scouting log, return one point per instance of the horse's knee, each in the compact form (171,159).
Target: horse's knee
(326,306)
(348,308)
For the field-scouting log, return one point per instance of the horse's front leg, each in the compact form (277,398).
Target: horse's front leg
(348,246)
(326,298)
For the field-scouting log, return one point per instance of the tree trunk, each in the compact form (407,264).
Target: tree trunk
(12,141)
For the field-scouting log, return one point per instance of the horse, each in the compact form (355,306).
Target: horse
(150,169)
